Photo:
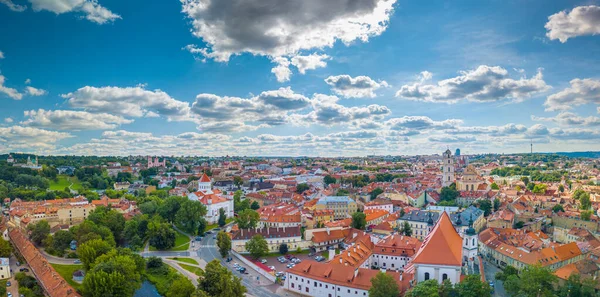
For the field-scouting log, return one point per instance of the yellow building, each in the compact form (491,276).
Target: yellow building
(343,207)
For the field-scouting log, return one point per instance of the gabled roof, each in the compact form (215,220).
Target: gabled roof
(204,178)
(442,246)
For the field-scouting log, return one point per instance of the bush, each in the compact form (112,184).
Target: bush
(154,262)
(72,255)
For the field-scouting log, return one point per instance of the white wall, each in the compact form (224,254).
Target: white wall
(394,263)
(320,288)
(437,272)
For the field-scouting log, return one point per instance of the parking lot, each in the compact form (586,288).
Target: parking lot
(280,267)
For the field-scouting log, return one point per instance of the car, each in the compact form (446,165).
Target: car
(77,261)
(214,236)
(290,265)
(288,256)
(8,283)
(264,261)
(492,287)
(242,269)
(208,232)
(198,238)
(24,270)
(311,254)
(228,259)
(320,258)
(216,229)
(9,294)
(272,267)
(279,274)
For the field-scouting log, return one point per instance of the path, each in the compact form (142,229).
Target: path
(191,276)
(56,260)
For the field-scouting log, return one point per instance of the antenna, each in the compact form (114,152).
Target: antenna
(531,146)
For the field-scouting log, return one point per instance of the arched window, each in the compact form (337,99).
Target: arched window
(473,241)
(444,277)
(426,275)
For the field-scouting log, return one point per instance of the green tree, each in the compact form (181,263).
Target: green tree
(161,235)
(222,217)
(62,240)
(247,218)
(255,205)
(238,181)
(169,208)
(494,186)
(506,272)
(359,220)
(110,218)
(486,206)
(189,216)
(533,281)
(519,225)
(557,208)
(283,249)
(39,231)
(257,246)
(525,180)
(428,288)
(561,188)
(472,286)
(202,227)
(578,194)
(224,243)
(328,179)
(116,273)
(300,188)
(586,215)
(497,204)
(585,201)
(539,188)
(218,281)
(407,229)
(449,193)
(383,285)
(576,287)
(446,289)
(376,193)
(180,287)
(89,251)
(5,248)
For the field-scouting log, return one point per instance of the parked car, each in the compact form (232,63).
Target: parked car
(290,265)
(228,259)
(8,283)
(208,232)
(198,238)
(272,267)
(492,287)
(279,274)
(320,258)
(77,261)
(288,256)
(242,269)
(264,261)
(24,270)
(9,294)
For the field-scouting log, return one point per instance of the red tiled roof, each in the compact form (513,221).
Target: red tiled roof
(442,245)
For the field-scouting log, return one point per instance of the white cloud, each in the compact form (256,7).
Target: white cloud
(582,91)
(581,21)
(10,92)
(282,70)
(483,84)
(354,87)
(72,120)
(12,6)
(310,62)
(281,28)
(93,11)
(128,102)
(18,137)
(421,123)
(8,120)
(1,53)
(28,81)
(569,119)
(34,91)
(425,76)
(326,111)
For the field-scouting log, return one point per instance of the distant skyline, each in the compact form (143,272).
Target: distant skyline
(303,78)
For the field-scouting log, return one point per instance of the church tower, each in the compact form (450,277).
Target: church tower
(470,241)
(447,168)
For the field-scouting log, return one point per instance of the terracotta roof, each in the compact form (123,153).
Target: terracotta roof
(49,279)
(204,178)
(442,245)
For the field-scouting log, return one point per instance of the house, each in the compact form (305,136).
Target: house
(280,215)
(5,268)
(291,236)
(342,206)
(213,200)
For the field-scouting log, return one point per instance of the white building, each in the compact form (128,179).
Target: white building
(4,268)
(213,200)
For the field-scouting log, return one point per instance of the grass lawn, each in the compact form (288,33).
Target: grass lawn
(66,271)
(182,243)
(185,260)
(63,182)
(193,269)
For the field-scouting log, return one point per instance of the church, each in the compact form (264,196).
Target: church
(212,199)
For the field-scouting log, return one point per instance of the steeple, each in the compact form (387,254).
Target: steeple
(430,220)
(471,230)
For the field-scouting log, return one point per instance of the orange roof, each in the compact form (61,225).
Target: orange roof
(442,246)
(204,178)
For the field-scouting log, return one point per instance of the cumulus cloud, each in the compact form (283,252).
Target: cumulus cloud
(310,62)
(72,120)
(284,99)
(93,11)
(452,139)
(18,137)
(1,53)
(354,87)
(128,102)
(231,27)
(12,6)
(282,70)
(8,120)
(569,119)
(35,91)
(484,84)
(421,123)
(581,21)
(326,111)
(581,91)
(10,92)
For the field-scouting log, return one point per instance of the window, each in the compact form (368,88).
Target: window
(473,241)
(315,284)
(306,289)
(292,285)
(426,275)
(444,277)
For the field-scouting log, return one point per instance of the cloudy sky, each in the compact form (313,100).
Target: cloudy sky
(286,77)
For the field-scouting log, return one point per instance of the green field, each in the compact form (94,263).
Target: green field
(182,243)
(185,260)
(64,181)
(66,271)
(193,269)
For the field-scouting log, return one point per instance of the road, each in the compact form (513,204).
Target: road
(56,260)
(490,273)
(208,251)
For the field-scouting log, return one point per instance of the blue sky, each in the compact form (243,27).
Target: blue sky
(270,77)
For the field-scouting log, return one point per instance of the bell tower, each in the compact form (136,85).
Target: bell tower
(447,168)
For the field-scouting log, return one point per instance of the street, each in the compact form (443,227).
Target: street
(490,271)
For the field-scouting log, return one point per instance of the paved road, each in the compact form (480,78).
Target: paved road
(209,252)
(56,260)
(490,273)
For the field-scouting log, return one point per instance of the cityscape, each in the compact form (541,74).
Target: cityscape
(322,148)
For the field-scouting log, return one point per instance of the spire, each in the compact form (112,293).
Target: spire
(471,230)
(430,221)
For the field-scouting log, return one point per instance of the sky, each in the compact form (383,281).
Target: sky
(298,78)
